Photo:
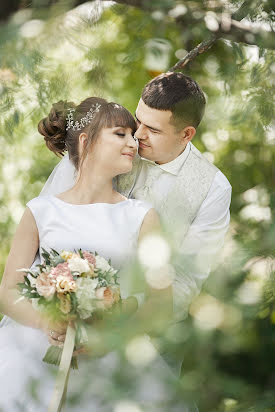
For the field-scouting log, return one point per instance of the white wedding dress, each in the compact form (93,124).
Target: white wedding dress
(112,231)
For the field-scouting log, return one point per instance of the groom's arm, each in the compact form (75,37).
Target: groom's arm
(202,245)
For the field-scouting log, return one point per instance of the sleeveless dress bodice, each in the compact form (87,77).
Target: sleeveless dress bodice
(112,231)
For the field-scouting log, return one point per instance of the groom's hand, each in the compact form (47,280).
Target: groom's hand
(129,306)
(124,309)
(121,310)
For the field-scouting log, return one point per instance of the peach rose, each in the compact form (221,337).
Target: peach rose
(65,303)
(45,285)
(116,294)
(109,296)
(65,283)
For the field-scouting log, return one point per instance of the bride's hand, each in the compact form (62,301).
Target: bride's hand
(56,332)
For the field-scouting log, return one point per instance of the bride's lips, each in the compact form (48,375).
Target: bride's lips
(129,154)
(143,145)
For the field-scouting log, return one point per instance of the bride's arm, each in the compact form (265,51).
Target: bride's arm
(22,253)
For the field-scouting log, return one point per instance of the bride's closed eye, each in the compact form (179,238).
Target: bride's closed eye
(120,134)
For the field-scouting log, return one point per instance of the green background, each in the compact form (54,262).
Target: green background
(51,51)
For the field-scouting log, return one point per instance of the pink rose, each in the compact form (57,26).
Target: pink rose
(89,257)
(45,285)
(60,269)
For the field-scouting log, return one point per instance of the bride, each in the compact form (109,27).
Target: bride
(99,138)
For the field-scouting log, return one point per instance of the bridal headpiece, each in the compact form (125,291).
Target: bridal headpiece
(78,125)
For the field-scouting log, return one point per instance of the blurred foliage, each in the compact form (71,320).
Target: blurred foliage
(56,52)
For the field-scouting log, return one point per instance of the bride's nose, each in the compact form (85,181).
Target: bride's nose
(131,142)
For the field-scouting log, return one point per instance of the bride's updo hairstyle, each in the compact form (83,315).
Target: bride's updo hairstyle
(58,139)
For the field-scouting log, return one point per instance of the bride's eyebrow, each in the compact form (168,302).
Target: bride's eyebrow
(149,127)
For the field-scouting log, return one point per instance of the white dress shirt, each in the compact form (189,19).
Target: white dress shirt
(205,236)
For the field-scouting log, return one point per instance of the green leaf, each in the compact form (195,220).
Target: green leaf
(55,252)
(53,357)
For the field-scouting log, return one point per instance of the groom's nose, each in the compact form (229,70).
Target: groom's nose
(141,132)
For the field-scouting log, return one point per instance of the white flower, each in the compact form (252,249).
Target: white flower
(32,280)
(103,265)
(100,293)
(76,264)
(68,255)
(85,295)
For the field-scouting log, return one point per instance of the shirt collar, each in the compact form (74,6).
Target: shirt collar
(175,165)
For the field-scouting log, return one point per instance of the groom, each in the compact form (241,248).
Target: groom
(190,194)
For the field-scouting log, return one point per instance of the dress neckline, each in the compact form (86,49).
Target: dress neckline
(88,204)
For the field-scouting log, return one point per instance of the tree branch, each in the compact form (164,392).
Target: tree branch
(233,30)
(201,48)
(229,26)
(11,6)
(248,34)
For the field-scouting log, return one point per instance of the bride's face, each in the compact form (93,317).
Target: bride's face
(113,151)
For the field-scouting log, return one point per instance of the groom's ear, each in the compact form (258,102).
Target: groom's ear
(187,134)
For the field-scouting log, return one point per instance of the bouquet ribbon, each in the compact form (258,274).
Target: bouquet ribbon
(60,389)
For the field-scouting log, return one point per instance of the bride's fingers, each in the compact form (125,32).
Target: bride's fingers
(61,338)
(55,342)
(56,336)
(53,334)
(59,329)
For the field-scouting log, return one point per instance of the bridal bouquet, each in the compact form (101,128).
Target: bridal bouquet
(71,286)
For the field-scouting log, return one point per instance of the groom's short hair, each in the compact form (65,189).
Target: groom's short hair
(178,93)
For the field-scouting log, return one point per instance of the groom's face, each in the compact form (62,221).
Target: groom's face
(159,140)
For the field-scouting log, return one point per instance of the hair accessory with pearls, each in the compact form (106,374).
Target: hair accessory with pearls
(78,125)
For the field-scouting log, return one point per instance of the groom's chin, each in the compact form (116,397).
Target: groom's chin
(142,153)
